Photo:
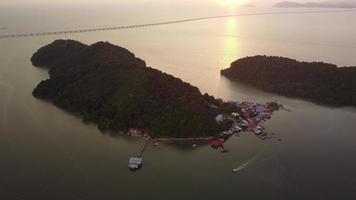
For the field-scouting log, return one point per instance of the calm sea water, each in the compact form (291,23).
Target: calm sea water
(46,153)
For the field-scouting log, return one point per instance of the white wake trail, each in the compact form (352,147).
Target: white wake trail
(245,164)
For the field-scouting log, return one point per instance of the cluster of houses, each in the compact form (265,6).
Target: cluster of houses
(250,117)
(139,133)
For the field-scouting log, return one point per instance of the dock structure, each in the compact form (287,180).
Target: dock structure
(136,162)
(144,148)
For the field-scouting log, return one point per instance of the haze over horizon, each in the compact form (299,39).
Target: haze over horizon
(40,3)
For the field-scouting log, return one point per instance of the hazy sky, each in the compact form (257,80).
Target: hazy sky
(4,3)
(22,6)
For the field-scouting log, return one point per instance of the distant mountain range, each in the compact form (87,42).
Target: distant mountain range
(291,4)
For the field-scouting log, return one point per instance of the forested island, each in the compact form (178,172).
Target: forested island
(315,81)
(107,85)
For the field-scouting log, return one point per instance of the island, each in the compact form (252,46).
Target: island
(326,4)
(109,86)
(314,81)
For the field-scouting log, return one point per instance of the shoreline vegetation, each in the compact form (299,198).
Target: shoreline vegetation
(317,82)
(249,119)
(109,86)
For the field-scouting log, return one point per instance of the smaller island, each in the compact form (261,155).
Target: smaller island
(314,81)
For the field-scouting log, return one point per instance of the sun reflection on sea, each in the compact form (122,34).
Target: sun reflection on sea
(231,49)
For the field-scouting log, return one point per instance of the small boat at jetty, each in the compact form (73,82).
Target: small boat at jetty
(135,163)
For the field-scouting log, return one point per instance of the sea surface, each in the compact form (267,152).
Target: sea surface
(46,153)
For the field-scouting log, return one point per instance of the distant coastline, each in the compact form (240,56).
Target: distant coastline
(314,81)
(291,4)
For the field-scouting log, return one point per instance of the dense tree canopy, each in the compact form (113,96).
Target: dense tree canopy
(109,86)
(315,81)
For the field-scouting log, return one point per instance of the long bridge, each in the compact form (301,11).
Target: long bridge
(65,32)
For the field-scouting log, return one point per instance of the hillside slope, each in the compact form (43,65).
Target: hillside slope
(108,85)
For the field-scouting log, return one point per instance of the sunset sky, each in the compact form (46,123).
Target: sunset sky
(197,2)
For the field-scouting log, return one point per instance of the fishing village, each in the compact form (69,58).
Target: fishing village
(248,118)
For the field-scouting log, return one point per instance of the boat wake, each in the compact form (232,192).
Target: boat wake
(254,163)
(244,165)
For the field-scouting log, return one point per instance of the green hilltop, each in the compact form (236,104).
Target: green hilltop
(107,85)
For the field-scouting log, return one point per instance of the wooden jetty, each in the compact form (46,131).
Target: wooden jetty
(136,162)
